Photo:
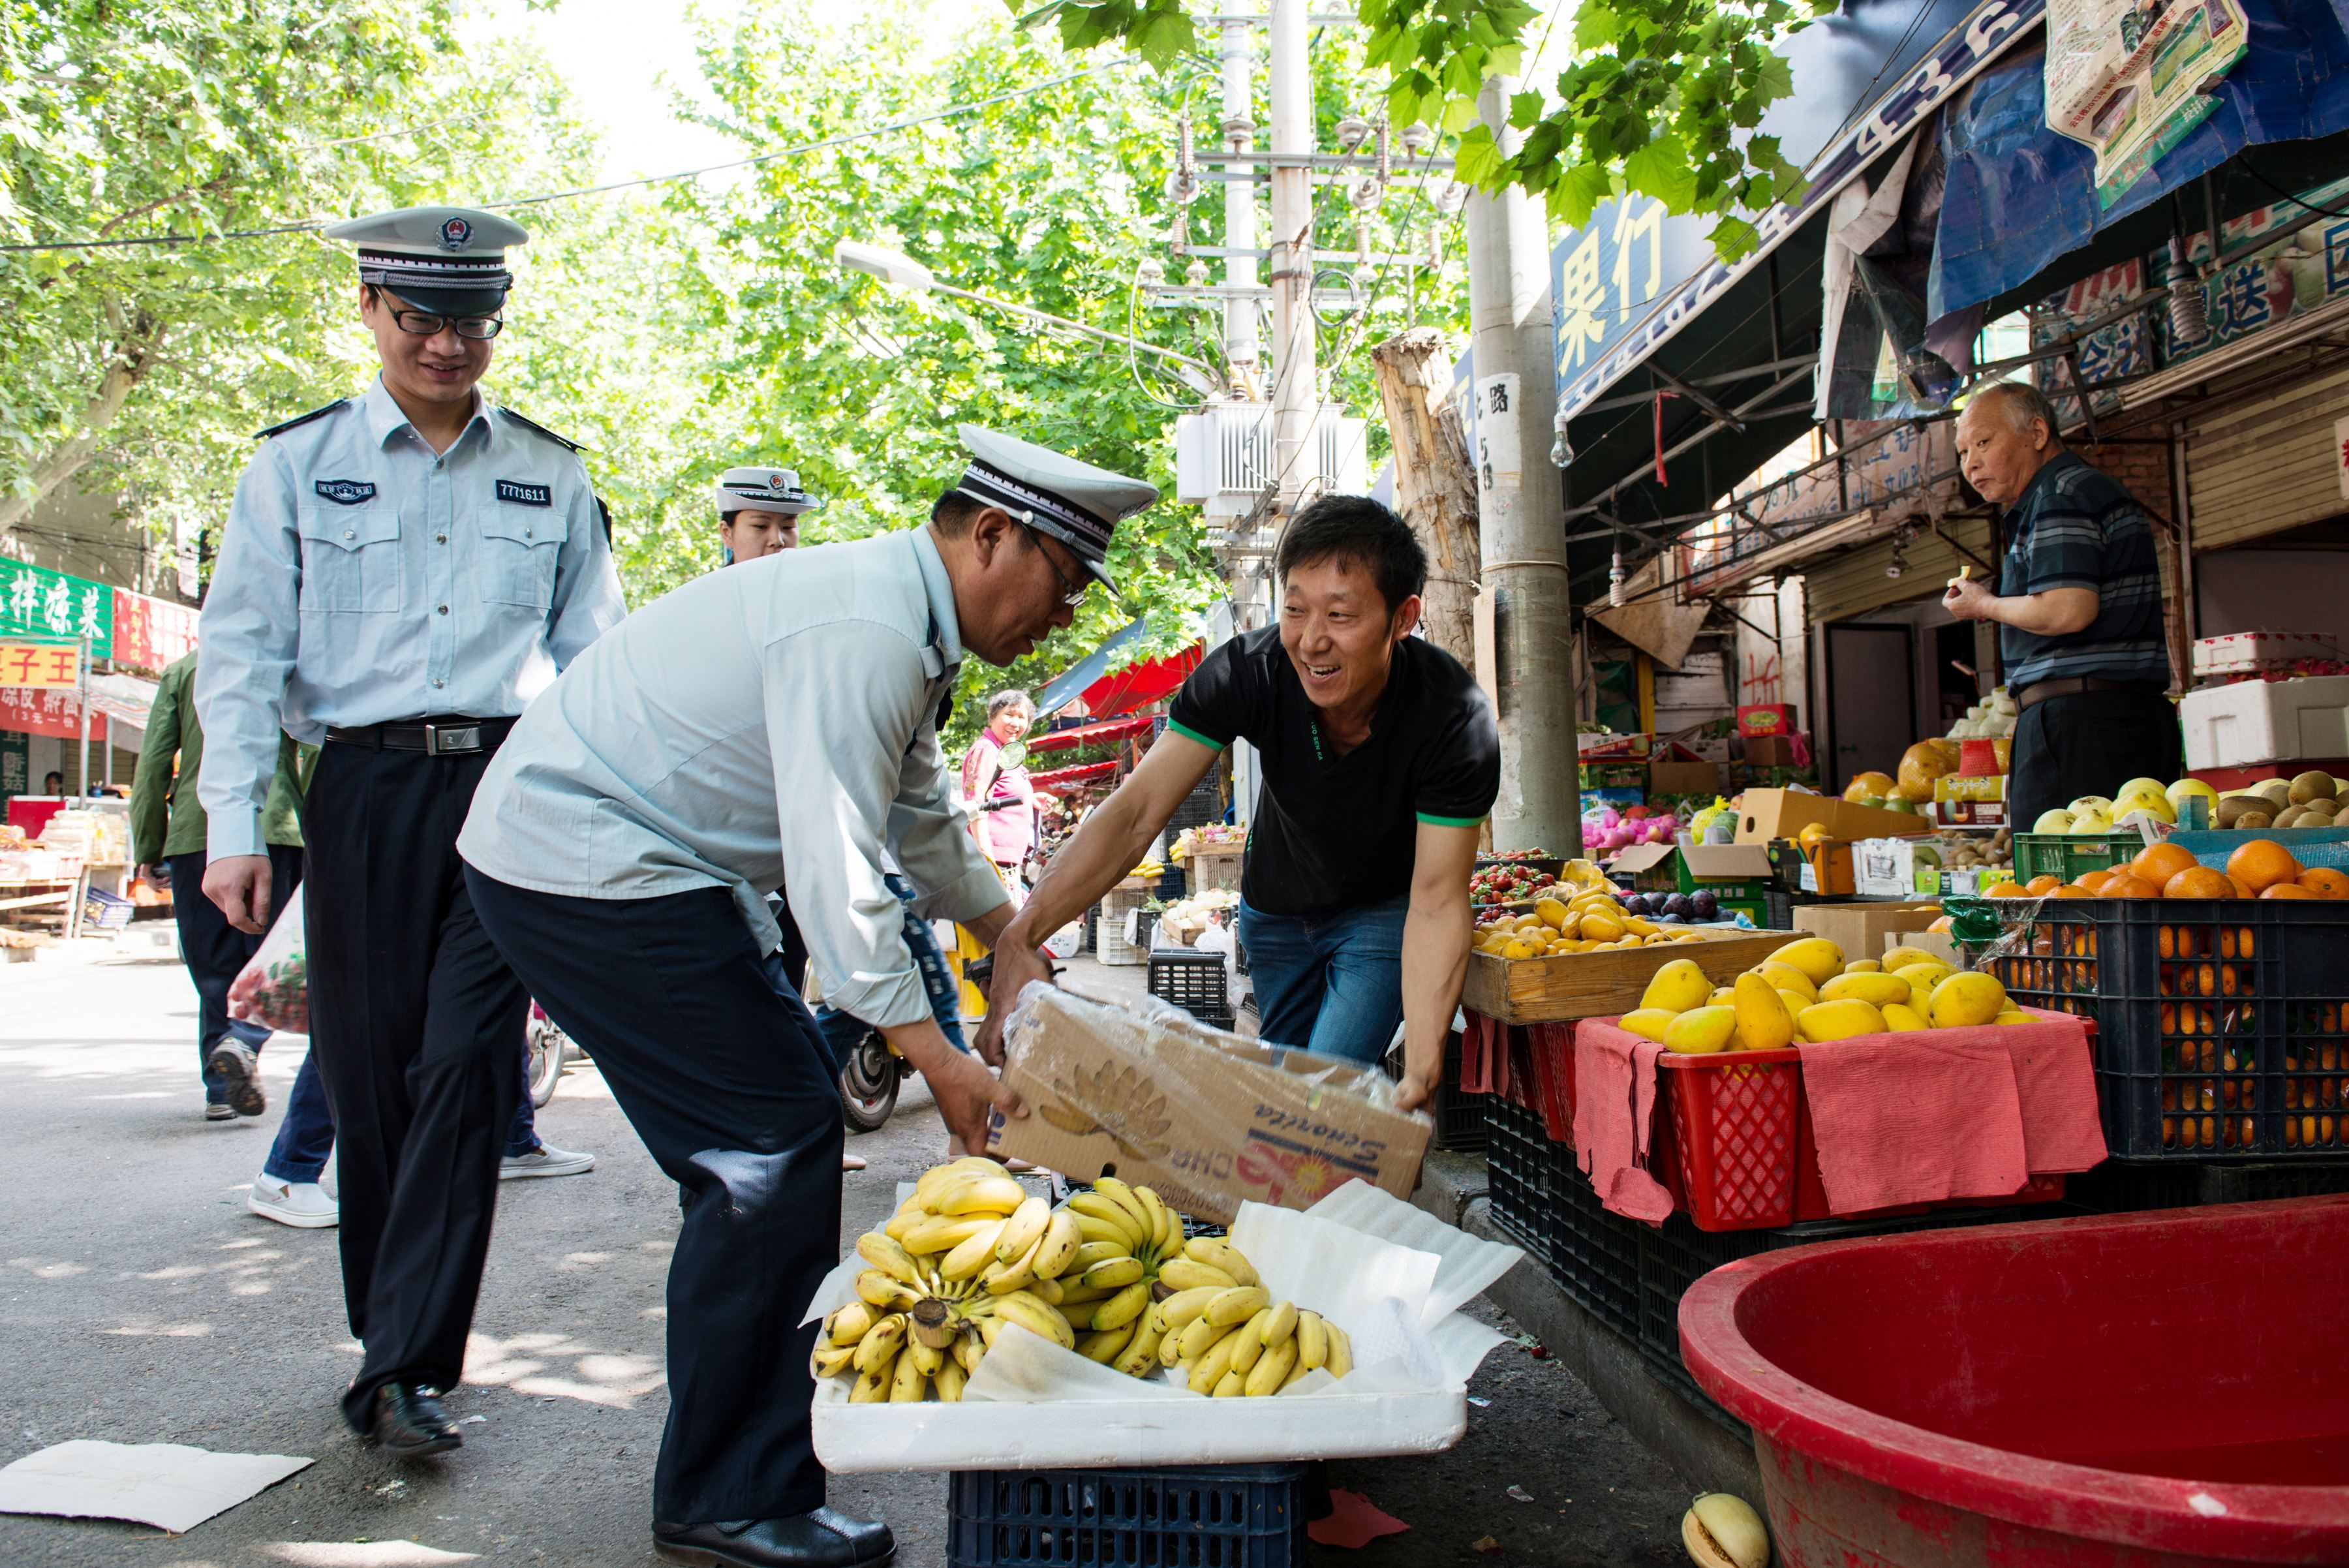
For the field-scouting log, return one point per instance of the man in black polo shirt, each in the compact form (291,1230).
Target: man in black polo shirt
(1378,759)
(2079,601)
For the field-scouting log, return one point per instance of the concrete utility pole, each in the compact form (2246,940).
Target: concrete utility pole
(1295,395)
(1521,506)
(1240,348)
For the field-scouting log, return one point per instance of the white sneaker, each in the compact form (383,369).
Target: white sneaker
(302,1204)
(545,1160)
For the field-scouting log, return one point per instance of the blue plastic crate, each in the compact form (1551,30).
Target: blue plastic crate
(1216,1516)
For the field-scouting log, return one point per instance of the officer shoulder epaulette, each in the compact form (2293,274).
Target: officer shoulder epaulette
(533,425)
(300,419)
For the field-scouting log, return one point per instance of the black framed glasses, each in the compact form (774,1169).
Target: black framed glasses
(1072,594)
(424,324)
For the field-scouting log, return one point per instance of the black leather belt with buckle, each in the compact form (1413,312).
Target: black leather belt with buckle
(2073,685)
(451,737)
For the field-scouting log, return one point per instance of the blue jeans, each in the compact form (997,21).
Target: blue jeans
(841,1032)
(305,1136)
(1330,983)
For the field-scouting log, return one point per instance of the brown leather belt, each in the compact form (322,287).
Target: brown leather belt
(453,736)
(2074,685)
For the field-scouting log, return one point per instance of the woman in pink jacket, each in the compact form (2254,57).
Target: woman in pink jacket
(996,791)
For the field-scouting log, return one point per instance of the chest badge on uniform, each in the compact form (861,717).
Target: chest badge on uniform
(522,494)
(344,492)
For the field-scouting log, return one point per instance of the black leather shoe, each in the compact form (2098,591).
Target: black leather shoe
(824,1538)
(409,1423)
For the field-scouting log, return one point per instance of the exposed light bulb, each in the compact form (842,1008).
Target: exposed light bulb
(1615,582)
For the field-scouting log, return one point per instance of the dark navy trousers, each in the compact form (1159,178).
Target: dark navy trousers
(717,1065)
(415,1025)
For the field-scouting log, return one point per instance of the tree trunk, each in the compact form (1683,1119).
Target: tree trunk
(134,355)
(1435,487)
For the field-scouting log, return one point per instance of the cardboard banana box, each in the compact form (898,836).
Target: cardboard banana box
(1211,1120)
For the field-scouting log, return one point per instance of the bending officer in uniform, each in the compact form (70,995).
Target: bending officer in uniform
(772,725)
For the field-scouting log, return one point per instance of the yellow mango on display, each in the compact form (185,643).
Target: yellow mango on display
(1795,1002)
(1862,966)
(1826,1021)
(1816,957)
(1648,1022)
(1601,928)
(1722,997)
(1898,959)
(1923,977)
(1552,913)
(1786,977)
(1677,987)
(1900,1019)
(1881,990)
(1965,999)
(1765,1023)
(1702,1030)
(2011,1018)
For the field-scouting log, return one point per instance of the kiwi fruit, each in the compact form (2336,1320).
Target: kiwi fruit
(2311,785)
(2275,791)
(2341,818)
(2324,807)
(2232,808)
(2251,819)
(2292,815)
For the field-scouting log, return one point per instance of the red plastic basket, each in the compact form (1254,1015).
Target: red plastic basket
(1551,1046)
(1736,1126)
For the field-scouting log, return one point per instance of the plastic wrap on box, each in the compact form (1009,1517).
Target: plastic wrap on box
(1211,1120)
(1391,1275)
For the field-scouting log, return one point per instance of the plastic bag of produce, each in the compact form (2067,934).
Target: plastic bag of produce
(272,990)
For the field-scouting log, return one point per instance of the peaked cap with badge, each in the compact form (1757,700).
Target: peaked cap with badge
(773,490)
(450,260)
(1075,503)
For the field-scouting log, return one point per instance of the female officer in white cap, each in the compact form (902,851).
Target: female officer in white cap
(759,512)
(772,725)
(402,571)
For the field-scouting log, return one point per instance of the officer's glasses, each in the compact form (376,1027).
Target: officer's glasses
(423,323)
(1072,594)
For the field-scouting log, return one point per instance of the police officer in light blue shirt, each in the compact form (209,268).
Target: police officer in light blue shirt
(401,572)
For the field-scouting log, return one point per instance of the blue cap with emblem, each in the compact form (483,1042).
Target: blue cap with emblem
(1075,503)
(773,490)
(450,260)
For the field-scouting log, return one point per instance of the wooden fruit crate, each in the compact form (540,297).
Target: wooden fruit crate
(1600,984)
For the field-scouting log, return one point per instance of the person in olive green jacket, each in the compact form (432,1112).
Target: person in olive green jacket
(167,825)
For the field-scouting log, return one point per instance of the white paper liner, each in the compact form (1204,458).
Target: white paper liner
(1381,1276)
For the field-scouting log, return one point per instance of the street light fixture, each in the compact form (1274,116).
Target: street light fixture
(900,271)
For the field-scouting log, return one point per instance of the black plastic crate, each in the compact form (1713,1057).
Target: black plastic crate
(2219,1022)
(1193,982)
(1459,1115)
(1204,805)
(1594,1253)
(2115,1188)
(1219,1516)
(1517,1174)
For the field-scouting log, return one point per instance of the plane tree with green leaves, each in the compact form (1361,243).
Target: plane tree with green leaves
(1663,97)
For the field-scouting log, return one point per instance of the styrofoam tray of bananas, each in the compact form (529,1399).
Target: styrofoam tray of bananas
(958,1334)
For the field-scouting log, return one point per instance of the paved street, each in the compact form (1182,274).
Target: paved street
(141,1302)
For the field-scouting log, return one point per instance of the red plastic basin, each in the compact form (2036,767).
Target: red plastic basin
(2152,1390)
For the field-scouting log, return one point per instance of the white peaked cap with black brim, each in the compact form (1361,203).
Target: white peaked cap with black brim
(1052,493)
(773,490)
(450,260)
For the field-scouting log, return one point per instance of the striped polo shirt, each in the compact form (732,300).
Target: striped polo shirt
(2075,527)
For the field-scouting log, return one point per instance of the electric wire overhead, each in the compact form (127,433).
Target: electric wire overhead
(310,224)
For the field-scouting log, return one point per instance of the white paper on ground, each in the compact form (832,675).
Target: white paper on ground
(168,1485)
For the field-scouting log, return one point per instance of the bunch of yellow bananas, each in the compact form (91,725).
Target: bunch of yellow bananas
(1149,869)
(1131,1238)
(968,1251)
(1240,1341)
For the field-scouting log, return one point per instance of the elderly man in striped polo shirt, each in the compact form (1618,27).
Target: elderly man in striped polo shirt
(2080,602)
